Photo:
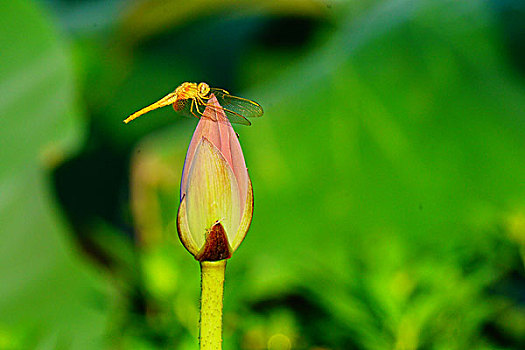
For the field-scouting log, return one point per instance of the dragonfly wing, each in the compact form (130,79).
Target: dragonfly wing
(237,106)
(234,117)
(184,108)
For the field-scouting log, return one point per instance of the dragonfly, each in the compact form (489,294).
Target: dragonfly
(190,99)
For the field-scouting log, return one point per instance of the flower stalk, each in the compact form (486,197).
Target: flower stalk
(212,289)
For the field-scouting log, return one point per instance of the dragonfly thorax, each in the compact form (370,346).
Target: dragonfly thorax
(192,90)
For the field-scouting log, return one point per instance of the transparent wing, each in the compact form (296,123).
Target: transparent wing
(237,109)
(191,108)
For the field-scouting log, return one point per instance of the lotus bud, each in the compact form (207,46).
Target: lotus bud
(216,192)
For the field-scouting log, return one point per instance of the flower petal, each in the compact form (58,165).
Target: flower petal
(212,194)
(246,220)
(215,126)
(183,229)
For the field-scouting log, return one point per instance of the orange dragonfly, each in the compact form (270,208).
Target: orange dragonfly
(191,99)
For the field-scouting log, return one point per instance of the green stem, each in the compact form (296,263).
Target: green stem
(212,287)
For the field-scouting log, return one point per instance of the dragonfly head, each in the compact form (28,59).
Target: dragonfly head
(204,89)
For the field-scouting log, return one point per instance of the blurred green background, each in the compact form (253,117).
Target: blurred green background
(388,171)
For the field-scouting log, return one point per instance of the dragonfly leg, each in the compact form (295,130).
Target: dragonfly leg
(204,104)
(194,104)
(201,100)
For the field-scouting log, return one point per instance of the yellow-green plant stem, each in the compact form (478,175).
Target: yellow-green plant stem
(212,288)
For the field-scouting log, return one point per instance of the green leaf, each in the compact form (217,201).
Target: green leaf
(47,286)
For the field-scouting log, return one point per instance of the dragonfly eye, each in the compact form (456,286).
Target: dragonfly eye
(204,89)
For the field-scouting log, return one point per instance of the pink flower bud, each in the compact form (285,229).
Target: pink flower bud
(216,192)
